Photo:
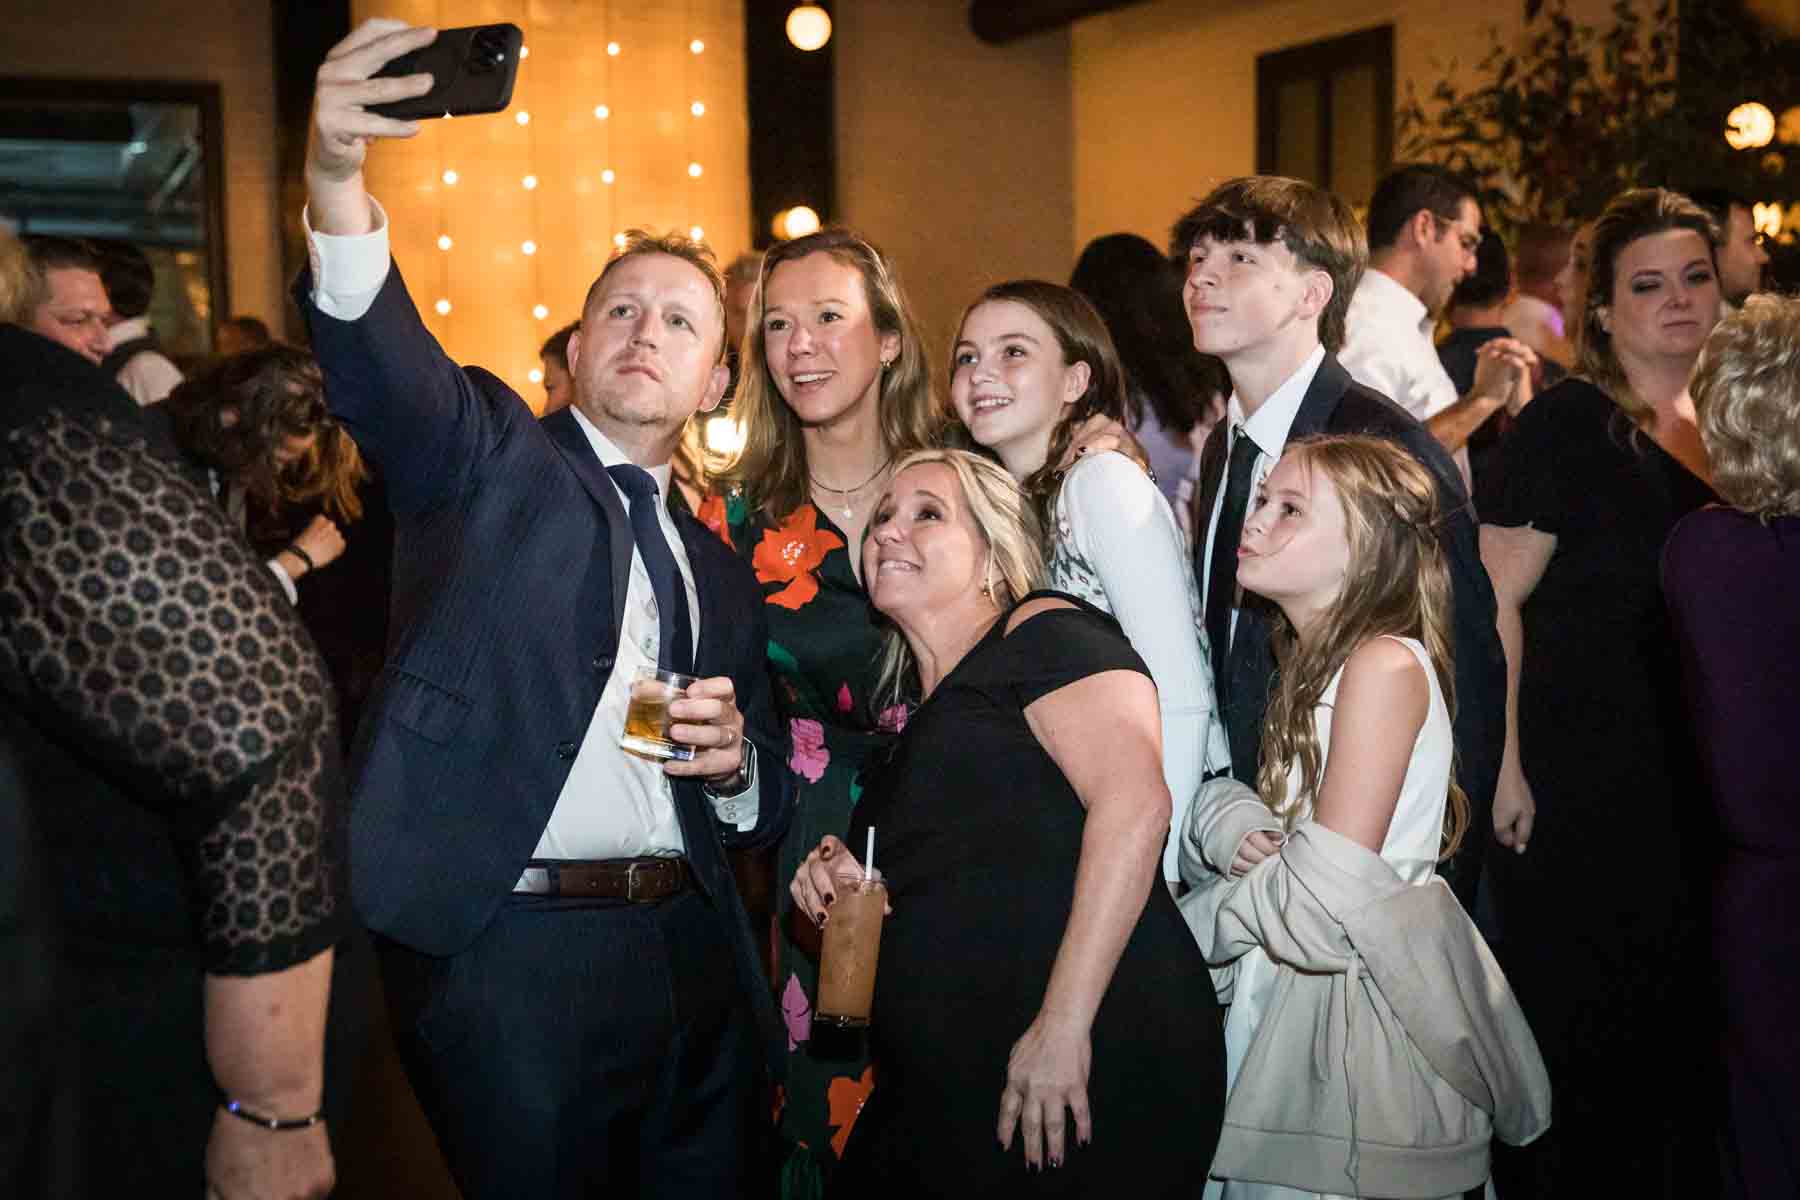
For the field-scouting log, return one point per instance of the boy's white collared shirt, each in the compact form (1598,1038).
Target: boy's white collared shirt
(1268,427)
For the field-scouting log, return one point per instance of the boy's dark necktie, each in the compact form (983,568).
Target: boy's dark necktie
(1221,572)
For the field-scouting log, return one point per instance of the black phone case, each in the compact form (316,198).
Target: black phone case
(472,70)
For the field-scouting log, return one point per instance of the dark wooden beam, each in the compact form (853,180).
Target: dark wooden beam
(1000,21)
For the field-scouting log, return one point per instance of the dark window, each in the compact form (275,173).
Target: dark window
(138,162)
(1325,112)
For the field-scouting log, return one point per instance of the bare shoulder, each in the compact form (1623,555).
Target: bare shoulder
(1031,608)
(1384,672)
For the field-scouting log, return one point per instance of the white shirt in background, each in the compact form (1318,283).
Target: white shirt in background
(1388,347)
(149,375)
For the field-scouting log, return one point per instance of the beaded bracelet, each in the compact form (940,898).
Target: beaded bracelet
(275,1124)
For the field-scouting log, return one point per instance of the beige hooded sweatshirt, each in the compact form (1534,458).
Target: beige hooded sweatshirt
(1392,1049)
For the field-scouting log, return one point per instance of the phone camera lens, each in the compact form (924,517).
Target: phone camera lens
(487,53)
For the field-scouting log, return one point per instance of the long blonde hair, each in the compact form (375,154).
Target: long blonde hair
(1006,520)
(771,467)
(1397,583)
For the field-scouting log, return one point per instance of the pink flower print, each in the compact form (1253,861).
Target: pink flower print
(810,758)
(844,703)
(893,719)
(796,1012)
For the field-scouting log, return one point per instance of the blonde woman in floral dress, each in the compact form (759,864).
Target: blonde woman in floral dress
(835,390)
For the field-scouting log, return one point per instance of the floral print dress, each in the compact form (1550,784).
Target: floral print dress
(824,655)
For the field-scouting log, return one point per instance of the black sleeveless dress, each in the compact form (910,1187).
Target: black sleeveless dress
(978,835)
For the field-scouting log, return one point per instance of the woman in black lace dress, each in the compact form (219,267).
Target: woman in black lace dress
(171,731)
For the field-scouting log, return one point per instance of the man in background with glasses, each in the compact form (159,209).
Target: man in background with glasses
(1424,227)
(1742,254)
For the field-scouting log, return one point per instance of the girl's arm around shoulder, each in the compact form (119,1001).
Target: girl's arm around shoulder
(1124,528)
(1109,493)
(1381,706)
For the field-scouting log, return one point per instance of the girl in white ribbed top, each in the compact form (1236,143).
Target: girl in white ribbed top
(1032,362)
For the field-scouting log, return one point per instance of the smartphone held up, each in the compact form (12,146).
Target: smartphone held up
(472,70)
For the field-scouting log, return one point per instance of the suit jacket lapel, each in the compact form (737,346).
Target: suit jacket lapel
(1328,386)
(692,531)
(567,437)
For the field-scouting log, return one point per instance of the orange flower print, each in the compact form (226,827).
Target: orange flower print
(791,554)
(712,515)
(847,1096)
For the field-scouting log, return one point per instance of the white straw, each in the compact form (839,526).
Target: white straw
(869,857)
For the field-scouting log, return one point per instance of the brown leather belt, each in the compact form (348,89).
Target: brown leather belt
(635,880)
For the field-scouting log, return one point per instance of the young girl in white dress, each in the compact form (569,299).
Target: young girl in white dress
(1032,362)
(1358,735)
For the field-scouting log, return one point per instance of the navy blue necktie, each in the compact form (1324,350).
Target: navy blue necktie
(675,633)
(1221,574)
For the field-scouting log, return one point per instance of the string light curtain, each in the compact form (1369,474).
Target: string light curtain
(624,115)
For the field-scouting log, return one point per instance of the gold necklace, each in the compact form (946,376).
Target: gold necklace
(847,493)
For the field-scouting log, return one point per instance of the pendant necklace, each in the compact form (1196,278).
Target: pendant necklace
(847,493)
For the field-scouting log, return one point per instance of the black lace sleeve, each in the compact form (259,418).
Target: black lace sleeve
(139,630)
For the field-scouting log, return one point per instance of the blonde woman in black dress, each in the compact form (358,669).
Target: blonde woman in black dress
(1043,1021)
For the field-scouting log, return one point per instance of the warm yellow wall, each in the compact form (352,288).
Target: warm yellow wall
(229,43)
(572,215)
(953,155)
(1165,92)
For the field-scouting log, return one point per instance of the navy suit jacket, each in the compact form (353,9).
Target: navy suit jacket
(512,555)
(1336,403)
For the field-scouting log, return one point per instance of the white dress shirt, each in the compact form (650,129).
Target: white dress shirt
(149,375)
(1268,427)
(1388,347)
(613,804)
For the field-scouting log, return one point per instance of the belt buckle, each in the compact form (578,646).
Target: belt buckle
(631,881)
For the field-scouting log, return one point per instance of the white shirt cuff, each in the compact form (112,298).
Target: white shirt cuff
(287,584)
(741,808)
(348,271)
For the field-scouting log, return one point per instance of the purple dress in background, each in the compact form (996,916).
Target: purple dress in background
(1733,588)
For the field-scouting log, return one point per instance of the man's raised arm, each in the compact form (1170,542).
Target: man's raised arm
(411,409)
(342,126)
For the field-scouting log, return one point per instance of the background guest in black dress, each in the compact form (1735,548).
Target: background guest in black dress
(1732,575)
(174,745)
(1034,983)
(1599,778)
